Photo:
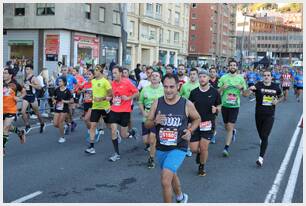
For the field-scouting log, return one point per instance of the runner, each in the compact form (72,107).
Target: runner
(71,81)
(191,84)
(169,69)
(268,94)
(29,98)
(276,76)
(286,83)
(125,74)
(169,114)
(213,81)
(145,82)
(123,93)
(207,102)
(187,87)
(146,99)
(231,85)
(298,83)
(10,88)
(62,98)
(181,73)
(101,96)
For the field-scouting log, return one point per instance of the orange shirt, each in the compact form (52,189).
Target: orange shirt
(9,94)
(124,87)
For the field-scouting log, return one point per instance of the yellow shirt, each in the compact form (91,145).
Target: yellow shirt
(99,89)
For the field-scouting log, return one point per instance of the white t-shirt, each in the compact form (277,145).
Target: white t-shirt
(41,80)
(143,83)
(143,75)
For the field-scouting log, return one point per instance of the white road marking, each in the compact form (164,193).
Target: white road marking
(271,196)
(287,198)
(27,197)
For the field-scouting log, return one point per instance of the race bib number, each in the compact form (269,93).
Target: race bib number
(205,126)
(59,106)
(231,99)
(88,96)
(117,101)
(168,137)
(267,100)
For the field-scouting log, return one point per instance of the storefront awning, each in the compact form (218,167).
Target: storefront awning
(20,42)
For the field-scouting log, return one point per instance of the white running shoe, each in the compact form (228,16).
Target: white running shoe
(33,116)
(61,140)
(259,161)
(114,158)
(90,150)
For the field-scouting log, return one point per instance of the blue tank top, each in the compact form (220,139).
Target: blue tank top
(298,80)
(169,133)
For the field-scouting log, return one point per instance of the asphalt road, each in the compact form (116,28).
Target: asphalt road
(64,173)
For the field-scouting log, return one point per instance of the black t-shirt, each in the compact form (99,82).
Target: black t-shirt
(203,102)
(62,95)
(214,84)
(264,95)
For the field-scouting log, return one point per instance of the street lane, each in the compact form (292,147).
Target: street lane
(64,173)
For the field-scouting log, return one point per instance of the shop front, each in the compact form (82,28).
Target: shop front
(110,49)
(87,49)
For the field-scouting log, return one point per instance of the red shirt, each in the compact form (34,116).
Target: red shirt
(124,87)
(87,92)
(81,81)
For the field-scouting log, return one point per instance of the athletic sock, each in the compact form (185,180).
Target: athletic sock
(226,147)
(92,145)
(116,147)
(5,140)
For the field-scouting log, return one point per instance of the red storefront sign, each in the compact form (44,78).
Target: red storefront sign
(52,44)
(88,42)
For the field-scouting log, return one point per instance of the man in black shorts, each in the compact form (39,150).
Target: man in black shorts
(207,101)
(123,93)
(28,93)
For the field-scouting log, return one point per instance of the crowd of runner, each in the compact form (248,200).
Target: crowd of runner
(179,108)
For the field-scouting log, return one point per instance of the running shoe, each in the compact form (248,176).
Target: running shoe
(259,161)
(201,171)
(21,135)
(132,133)
(189,153)
(33,116)
(101,131)
(118,136)
(66,129)
(151,163)
(225,153)
(73,126)
(198,158)
(61,140)
(184,200)
(213,140)
(90,150)
(42,127)
(234,135)
(114,158)
(27,129)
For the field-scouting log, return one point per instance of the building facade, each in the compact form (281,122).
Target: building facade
(75,33)
(267,36)
(211,33)
(157,33)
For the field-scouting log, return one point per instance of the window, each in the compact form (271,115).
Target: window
(194,5)
(258,45)
(102,14)
(19,11)
(116,17)
(192,48)
(266,38)
(193,16)
(149,10)
(193,37)
(131,28)
(45,9)
(87,11)
(176,37)
(169,16)
(177,18)
(161,35)
(131,7)
(193,27)
(168,36)
(152,35)
(158,9)
(145,31)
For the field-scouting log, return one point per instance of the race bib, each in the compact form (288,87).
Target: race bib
(88,96)
(27,86)
(168,137)
(59,106)
(231,99)
(267,100)
(205,126)
(117,101)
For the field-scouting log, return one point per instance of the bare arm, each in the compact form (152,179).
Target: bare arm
(194,116)
(149,123)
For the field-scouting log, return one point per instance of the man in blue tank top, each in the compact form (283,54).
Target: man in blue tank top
(169,115)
